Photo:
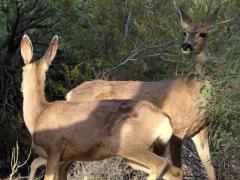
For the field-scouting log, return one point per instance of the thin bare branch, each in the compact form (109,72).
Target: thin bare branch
(234,19)
(31,25)
(135,52)
(14,160)
(90,23)
(30,8)
(127,23)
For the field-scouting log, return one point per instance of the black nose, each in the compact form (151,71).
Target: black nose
(186,47)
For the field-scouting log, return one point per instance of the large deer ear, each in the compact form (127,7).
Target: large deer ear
(52,50)
(185,19)
(211,18)
(26,49)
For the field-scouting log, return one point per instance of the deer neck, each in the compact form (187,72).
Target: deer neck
(200,60)
(34,101)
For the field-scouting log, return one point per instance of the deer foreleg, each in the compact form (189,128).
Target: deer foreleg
(201,142)
(53,160)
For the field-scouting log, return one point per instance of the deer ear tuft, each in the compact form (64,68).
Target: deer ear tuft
(26,49)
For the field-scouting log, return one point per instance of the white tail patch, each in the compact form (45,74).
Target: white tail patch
(163,131)
(68,96)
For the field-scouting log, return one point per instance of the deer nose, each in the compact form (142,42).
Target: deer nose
(186,47)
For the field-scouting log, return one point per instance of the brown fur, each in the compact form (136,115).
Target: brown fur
(93,130)
(175,96)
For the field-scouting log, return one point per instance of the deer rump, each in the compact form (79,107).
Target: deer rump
(100,129)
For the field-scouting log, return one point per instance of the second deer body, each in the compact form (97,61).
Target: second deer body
(178,97)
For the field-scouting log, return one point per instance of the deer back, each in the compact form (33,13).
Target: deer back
(175,96)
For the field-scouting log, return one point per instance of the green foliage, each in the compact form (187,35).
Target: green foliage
(225,137)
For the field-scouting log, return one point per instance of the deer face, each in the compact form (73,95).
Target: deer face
(195,34)
(195,40)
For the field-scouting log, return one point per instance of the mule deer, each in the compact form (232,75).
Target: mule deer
(176,96)
(93,130)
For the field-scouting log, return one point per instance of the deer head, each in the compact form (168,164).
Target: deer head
(195,42)
(195,34)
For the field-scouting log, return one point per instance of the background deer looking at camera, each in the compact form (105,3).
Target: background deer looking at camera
(176,96)
(93,130)
(195,42)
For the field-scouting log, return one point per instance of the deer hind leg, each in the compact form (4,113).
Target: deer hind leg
(201,142)
(64,170)
(152,164)
(36,163)
(175,151)
(175,145)
(158,149)
(138,166)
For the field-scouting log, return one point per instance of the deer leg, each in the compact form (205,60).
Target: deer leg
(158,149)
(201,142)
(138,166)
(174,171)
(53,160)
(175,153)
(36,163)
(64,170)
(156,165)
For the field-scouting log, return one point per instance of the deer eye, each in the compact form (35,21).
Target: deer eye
(184,33)
(202,35)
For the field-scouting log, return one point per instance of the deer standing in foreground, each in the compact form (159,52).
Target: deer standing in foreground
(176,96)
(93,130)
